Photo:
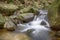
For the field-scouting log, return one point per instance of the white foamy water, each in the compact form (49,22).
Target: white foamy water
(41,32)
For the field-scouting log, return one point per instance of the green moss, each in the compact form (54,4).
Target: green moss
(8,6)
(53,13)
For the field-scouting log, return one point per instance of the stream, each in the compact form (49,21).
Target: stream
(38,28)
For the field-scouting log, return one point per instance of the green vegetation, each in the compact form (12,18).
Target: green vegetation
(54,14)
(14,11)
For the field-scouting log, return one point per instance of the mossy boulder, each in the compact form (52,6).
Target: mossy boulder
(7,9)
(25,9)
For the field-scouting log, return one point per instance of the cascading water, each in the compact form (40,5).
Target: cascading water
(39,24)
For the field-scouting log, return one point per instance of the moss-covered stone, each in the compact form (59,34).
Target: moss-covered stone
(7,8)
(26,9)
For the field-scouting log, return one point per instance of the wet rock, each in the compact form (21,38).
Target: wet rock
(26,17)
(9,25)
(7,9)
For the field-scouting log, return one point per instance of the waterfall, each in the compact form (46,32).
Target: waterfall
(40,25)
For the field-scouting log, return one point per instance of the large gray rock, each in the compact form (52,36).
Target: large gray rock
(26,17)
